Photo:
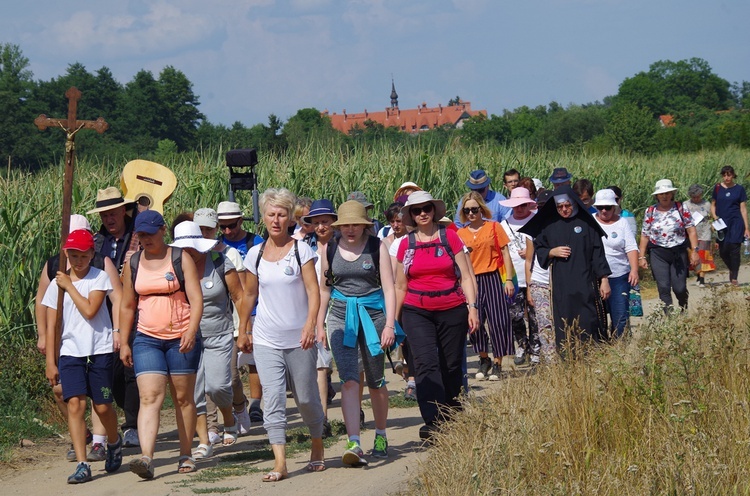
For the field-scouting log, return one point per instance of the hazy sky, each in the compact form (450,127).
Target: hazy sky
(250,58)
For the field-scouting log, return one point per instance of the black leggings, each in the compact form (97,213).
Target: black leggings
(730,254)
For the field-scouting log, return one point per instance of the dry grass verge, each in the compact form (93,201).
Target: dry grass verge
(665,413)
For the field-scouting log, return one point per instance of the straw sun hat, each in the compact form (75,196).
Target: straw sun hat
(352,212)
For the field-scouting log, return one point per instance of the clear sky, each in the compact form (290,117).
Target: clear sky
(250,58)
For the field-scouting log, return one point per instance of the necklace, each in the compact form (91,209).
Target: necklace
(429,237)
(475,230)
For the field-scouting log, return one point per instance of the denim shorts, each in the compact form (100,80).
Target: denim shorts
(87,376)
(162,356)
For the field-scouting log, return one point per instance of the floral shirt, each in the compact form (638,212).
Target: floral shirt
(667,229)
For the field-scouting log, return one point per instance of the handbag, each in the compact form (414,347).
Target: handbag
(635,302)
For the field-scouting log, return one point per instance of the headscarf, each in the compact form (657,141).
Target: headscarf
(563,198)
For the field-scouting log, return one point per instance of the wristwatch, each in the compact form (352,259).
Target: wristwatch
(473,305)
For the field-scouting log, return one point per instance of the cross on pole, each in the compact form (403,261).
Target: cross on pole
(71,126)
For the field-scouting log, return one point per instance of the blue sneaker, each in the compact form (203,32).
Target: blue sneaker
(380,450)
(81,475)
(114,456)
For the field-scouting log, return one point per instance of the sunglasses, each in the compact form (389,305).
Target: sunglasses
(605,207)
(473,210)
(229,226)
(562,206)
(427,208)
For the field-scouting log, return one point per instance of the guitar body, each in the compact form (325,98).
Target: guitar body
(144,179)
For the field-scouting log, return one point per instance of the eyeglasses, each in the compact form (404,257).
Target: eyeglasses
(426,208)
(563,206)
(113,253)
(605,207)
(473,210)
(229,226)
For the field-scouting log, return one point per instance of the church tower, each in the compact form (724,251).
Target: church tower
(394,95)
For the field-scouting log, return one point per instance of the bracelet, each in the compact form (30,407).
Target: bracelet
(389,327)
(473,305)
(248,333)
(641,258)
(115,330)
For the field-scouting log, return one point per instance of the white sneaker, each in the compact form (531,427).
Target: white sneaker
(242,419)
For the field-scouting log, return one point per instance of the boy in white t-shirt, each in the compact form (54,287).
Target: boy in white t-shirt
(85,350)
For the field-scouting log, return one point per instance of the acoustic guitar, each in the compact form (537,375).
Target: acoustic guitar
(147,183)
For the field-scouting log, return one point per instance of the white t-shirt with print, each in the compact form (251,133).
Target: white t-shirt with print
(517,242)
(282,299)
(618,243)
(81,337)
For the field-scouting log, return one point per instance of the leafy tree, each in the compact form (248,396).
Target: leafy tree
(632,129)
(180,105)
(575,125)
(15,116)
(142,113)
(479,129)
(307,124)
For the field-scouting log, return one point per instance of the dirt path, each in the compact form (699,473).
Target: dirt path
(41,469)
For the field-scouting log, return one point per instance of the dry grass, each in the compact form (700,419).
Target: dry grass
(666,413)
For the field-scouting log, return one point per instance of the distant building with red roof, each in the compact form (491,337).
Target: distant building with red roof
(421,118)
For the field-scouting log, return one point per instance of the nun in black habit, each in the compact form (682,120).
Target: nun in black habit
(568,240)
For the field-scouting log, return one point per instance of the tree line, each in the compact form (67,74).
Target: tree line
(155,116)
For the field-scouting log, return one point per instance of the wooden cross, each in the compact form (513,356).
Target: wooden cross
(71,126)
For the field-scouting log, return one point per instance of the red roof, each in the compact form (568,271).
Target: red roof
(409,120)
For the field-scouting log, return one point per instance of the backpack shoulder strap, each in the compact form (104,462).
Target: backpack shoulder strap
(373,248)
(177,266)
(98,261)
(449,250)
(296,254)
(260,255)
(331,248)
(412,240)
(98,242)
(218,259)
(134,262)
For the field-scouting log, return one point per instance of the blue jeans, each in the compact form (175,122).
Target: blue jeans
(618,304)
(163,357)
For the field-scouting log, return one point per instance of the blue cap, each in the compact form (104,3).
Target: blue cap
(478,180)
(148,222)
(320,207)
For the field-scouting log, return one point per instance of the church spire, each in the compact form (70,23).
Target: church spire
(394,95)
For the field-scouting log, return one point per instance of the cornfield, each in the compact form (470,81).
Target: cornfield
(30,220)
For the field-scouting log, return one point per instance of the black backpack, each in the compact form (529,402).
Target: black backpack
(372,247)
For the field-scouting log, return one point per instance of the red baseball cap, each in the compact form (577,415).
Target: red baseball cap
(79,240)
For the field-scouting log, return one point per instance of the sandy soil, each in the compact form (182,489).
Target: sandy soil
(42,469)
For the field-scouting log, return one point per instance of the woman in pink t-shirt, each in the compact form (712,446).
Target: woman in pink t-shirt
(432,298)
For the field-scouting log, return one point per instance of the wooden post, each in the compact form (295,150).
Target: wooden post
(71,126)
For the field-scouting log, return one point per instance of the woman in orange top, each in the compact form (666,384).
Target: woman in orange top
(488,249)
(167,346)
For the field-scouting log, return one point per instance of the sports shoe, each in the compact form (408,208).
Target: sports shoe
(520,357)
(81,475)
(353,455)
(380,450)
(130,438)
(534,359)
(327,430)
(243,422)
(256,415)
(98,453)
(426,432)
(485,364)
(496,372)
(114,456)
(71,454)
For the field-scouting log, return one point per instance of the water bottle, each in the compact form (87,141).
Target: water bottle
(747,246)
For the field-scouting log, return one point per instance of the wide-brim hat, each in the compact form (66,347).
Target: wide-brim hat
(408,185)
(605,198)
(560,175)
(420,198)
(320,207)
(518,196)
(109,198)
(352,212)
(663,186)
(188,234)
(228,210)
(478,179)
